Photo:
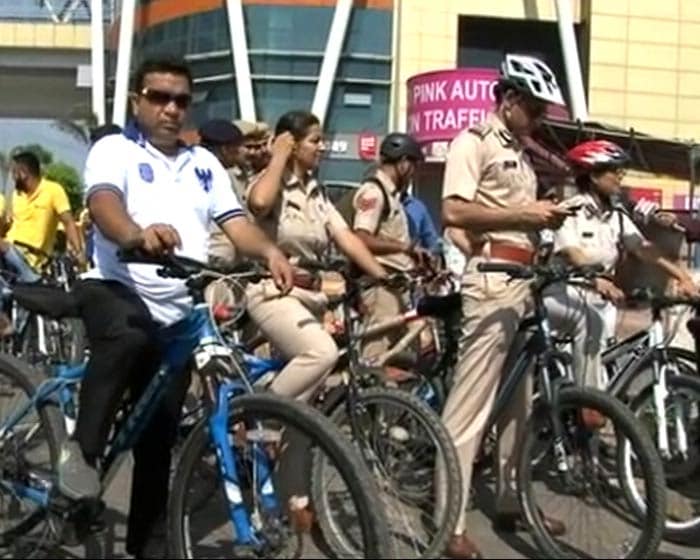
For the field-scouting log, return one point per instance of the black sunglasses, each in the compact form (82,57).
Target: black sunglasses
(159,97)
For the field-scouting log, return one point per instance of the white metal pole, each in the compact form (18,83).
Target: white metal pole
(241,64)
(397,89)
(97,62)
(571,60)
(329,66)
(126,41)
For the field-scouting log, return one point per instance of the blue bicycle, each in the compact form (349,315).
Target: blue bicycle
(234,456)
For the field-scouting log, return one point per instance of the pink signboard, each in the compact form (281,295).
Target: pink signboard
(442,103)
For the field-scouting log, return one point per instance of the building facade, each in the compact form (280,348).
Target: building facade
(640,60)
(286,42)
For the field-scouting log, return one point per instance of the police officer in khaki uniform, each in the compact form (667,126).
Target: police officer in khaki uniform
(599,234)
(381,222)
(490,189)
(291,207)
(256,144)
(225,141)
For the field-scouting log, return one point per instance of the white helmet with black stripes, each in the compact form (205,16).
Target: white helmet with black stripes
(532,76)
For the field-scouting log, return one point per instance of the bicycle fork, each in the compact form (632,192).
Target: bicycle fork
(660,395)
(247,525)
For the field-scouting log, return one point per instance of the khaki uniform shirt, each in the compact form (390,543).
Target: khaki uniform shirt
(220,247)
(369,209)
(599,233)
(487,165)
(303,220)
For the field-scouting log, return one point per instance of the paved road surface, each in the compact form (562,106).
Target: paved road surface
(493,545)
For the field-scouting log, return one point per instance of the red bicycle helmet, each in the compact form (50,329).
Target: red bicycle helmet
(596,154)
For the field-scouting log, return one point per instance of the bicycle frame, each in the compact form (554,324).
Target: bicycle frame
(195,336)
(648,345)
(539,346)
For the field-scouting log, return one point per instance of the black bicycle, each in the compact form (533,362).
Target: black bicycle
(571,460)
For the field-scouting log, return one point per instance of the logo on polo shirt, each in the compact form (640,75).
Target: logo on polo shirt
(146,172)
(205,178)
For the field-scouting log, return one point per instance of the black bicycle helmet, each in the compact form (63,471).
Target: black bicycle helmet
(397,145)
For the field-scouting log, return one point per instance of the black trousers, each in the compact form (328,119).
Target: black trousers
(125,355)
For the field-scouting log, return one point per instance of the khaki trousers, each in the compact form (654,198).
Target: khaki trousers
(291,324)
(380,304)
(492,309)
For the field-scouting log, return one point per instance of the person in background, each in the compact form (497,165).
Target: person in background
(600,233)
(256,145)
(38,206)
(223,139)
(421,228)
(379,219)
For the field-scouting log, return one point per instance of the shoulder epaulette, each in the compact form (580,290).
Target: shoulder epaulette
(481,130)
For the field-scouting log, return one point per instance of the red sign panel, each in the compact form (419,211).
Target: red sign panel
(640,193)
(368,145)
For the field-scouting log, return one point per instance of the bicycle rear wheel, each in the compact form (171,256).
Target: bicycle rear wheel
(199,523)
(579,478)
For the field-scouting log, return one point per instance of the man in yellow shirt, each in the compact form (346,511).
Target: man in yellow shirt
(38,206)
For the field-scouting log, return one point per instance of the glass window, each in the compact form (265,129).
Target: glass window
(371,69)
(273,99)
(285,65)
(369,31)
(341,170)
(292,28)
(351,117)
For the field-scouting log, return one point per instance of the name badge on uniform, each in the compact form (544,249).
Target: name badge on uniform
(146,172)
(587,234)
(205,178)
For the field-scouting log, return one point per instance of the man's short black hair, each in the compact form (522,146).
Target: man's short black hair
(29,161)
(162,65)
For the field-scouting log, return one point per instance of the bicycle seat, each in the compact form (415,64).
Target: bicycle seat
(49,301)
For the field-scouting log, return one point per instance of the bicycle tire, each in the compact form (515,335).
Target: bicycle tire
(652,523)
(27,380)
(685,358)
(322,433)
(429,419)
(682,531)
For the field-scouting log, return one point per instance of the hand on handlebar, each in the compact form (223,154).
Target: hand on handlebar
(687,288)
(160,239)
(609,290)
(281,271)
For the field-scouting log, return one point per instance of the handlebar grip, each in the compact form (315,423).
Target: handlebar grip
(511,269)
(137,256)
(313,265)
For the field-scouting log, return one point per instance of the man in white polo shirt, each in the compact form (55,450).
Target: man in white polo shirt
(146,190)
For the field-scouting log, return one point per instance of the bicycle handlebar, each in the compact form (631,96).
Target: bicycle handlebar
(660,301)
(185,268)
(550,273)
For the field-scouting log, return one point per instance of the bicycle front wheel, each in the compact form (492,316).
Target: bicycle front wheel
(573,471)
(258,426)
(414,461)
(680,454)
